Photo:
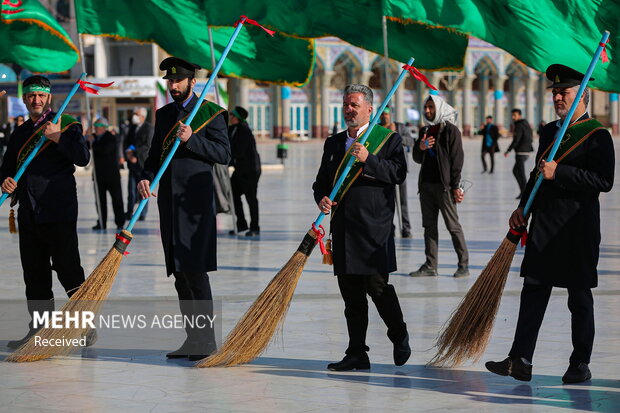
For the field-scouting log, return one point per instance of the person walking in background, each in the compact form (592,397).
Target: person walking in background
(403,131)
(137,147)
(522,145)
(107,171)
(246,161)
(490,135)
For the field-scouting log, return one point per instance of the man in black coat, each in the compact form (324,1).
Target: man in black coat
(363,235)
(439,149)
(522,145)
(490,135)
(247,165)
(185,196)
(105,155)
(563,243)
(47,196)
(136,151)
(403,131)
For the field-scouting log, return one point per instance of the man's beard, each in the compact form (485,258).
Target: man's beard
(561,112)
(182,96)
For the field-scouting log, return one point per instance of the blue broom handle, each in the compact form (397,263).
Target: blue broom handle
(365,136)
(42,140)
(567,119)
(177,141)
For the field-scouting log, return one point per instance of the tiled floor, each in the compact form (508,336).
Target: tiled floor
(291,375)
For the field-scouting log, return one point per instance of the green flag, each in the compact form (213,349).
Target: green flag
(32,38)
(537,32)
(356,22)
(180,28)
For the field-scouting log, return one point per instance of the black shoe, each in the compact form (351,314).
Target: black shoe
(405,233)
(402,351)
(577,373)
(252,233)
(351,362)
(98,227)
(15,344)
(516,367)
(197,357)
(424,271)
(462,271)
(182,352)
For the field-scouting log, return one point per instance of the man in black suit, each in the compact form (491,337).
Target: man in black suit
(564,235)
(247,165)
(185,196)
(136,152)
(490,135)
(105,155)
(361,224)
(47,196)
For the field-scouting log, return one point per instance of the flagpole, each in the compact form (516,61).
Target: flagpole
(89,120)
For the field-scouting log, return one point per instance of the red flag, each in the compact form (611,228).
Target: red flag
(604,57)
(418,75)
(93,90)
(245,19)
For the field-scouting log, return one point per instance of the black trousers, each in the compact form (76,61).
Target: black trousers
(248,186)
(534,299)
(195,298)
(353,289)
(404,207)
(47,247)
(113,186)
(491,153)
(519,171)
(134,176)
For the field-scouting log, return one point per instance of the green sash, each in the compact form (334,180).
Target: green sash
(65,122)
(378,137)
(575,135)
(207,112)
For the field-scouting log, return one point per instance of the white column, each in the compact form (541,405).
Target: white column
(484,89)
(499,100)
(399,100)
(244,93)
(285,93)
(543,99)
(101,58)
(530,85)
(325,83)
(467,112)
(365,78)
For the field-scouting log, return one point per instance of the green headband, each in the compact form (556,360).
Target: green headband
(99,124)
(33,87)
(237,115)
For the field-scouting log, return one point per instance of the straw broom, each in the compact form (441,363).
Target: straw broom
(466,334)
(93,292)
(252,334)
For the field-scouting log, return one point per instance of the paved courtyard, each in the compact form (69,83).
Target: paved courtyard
(291,376)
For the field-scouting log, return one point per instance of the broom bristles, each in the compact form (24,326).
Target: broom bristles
(466,334)
(252,334)
(89,297)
